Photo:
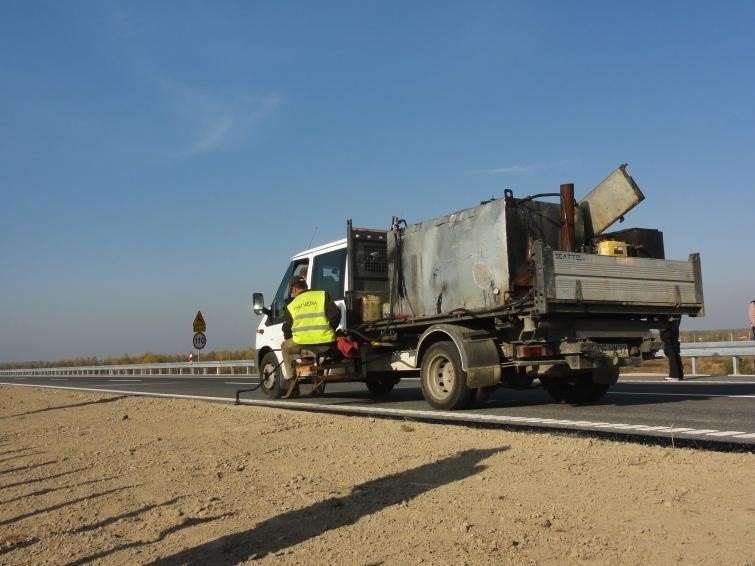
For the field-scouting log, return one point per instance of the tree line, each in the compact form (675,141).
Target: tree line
(126,359)
(249,353)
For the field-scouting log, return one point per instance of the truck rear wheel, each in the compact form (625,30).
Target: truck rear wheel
(382,384)
(271,376)
(574,388)
(444,382)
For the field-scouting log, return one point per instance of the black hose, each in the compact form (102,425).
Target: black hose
(531,197)
(240,391)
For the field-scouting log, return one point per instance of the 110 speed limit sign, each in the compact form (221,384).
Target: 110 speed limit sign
(200,340)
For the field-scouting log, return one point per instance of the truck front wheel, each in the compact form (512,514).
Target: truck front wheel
(444,382)
(271,376)
(575,388)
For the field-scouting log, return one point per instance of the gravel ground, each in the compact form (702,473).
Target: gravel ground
(88,478)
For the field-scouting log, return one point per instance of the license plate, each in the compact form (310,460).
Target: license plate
(614,350)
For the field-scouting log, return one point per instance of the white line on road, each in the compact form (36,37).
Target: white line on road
(241,382)
(437,415)
(727,433)
(142,384)
(125,380)
(680,394)
(688,381)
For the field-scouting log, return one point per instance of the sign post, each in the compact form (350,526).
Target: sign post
(199,326)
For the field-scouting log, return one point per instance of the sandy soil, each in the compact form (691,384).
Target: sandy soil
(88,478)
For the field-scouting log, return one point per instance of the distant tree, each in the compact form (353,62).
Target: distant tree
(145,358)
(149,358)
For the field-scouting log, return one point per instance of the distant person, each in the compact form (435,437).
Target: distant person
(672,350)
(312,318)
(751,312)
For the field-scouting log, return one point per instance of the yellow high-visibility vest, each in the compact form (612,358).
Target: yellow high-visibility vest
(310,324)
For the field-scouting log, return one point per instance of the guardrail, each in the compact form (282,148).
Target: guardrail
(692,350)
(175,368)
(733,350)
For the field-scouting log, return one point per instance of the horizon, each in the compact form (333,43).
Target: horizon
(736,335)
(164,158)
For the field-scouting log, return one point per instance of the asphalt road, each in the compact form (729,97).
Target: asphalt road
(702,410)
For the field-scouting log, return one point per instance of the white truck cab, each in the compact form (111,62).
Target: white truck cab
(324,268)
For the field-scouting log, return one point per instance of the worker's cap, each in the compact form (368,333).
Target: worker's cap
(298,281)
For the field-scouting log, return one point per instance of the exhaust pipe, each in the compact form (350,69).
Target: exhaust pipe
(568,238)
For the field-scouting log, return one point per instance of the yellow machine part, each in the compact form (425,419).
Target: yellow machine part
(613,247)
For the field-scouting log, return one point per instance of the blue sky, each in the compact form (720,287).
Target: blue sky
(157,158)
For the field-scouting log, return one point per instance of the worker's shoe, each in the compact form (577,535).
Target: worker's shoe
(674,378)
(292,388)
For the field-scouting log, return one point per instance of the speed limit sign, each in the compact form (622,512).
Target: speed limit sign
(200,340)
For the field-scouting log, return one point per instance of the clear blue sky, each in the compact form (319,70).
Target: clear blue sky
(157,158)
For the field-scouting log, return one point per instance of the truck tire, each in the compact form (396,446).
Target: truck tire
(578,387)
(271,376)
(444,382)
(381,385)
(481,395)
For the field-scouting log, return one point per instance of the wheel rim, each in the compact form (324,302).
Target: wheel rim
(441,376)
(269,376)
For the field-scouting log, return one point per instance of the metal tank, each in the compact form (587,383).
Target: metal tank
(471,260)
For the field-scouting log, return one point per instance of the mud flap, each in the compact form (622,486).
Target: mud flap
(480,355)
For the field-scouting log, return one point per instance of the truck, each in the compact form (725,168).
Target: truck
(502,294)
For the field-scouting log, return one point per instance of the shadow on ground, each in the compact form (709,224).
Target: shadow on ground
(297,526)
(73,406)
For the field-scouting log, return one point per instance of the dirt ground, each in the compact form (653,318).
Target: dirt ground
(87,478)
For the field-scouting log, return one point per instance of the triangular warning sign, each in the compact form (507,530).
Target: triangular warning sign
(199,325)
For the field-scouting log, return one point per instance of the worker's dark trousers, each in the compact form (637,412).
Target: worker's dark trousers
(672,350)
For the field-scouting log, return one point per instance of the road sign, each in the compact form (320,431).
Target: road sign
(199,325)
(200,340)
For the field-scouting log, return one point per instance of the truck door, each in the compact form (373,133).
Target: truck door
(271,325)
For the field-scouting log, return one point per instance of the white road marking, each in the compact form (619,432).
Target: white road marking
(434,415)
(688,381)
(680,394)
(125,380)
(727,433)
(241,382)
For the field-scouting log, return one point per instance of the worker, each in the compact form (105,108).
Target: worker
(751,312)
(672,350)
(312,318)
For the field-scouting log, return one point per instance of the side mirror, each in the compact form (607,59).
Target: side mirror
(258,304)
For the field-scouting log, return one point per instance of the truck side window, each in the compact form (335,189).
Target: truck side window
(329,273)
(282,296)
